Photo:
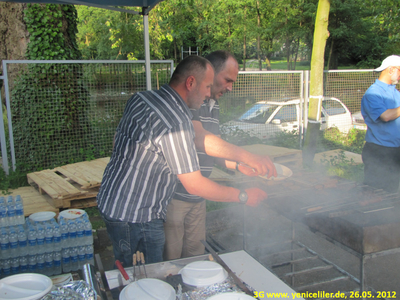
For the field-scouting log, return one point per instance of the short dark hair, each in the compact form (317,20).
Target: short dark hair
(191,65)
(218,59)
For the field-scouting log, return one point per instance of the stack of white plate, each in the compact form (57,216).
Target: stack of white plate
(148,289)
(203,273)
(29,286)
(42,216)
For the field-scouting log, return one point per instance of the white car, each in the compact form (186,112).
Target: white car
(265,118)
(358,121)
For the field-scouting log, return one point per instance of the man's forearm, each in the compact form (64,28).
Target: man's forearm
(390,114)
(214,146)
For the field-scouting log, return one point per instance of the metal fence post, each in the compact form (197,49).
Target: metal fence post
(3,137)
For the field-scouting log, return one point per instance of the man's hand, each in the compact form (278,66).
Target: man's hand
(258,165)
(255,196)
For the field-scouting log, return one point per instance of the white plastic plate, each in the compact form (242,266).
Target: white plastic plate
(29,286)
(42,216)
(203,273)
(72,213)
(148,289)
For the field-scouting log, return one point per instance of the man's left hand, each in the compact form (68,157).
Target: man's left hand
(257,165)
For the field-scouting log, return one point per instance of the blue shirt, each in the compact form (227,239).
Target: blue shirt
(377,99)
(154,142)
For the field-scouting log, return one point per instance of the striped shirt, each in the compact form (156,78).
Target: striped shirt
(154,142)
(208,115)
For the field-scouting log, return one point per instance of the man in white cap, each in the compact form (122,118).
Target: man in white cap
(380,107)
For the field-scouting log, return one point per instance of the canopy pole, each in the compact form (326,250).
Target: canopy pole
(147,50)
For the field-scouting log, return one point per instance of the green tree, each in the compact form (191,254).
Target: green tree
(316,86)
(49,103)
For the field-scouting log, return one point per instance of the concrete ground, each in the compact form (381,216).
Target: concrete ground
(267,232)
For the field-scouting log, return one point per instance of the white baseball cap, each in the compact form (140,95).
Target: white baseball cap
(390,61)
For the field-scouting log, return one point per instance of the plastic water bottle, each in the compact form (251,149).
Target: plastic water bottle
(48,238)
(64,233)
(57,262)
(4,244)
(49,264)
(19,210)
(32,264)
(23,264)
(74,258)
(11,210)
(32,241)
(13,239)
(22,241)
(66,260)
(81,256)
(40,238)
(80,233)
(56,236)
(88,231)
(3,213)
(6,267)
(40,263)
(89,254)
(71,233)
(15,265)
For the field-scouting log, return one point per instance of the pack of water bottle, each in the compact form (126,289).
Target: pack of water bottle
(77,242)
(43,245)
(11,211)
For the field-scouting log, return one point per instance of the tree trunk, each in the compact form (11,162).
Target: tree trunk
(296,53)
(14,37)
(244,41)
(258,36)
(316,85)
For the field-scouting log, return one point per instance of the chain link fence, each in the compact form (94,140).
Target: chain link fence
(265,103)
(65,112)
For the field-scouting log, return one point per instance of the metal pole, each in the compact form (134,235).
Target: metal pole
(8,104)
(147,50)
(3,138)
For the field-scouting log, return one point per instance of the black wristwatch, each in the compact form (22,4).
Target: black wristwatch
(243,197)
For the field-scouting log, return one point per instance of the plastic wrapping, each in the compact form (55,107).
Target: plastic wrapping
(203,293)
(75,290)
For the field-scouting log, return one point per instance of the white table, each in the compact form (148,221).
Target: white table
(240,262)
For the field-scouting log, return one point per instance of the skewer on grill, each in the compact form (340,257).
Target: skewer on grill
(138,261)
(134,266)
(142,261)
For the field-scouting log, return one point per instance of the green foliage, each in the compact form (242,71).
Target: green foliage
(339,165)
(353,141)
(49,102)
(49,40)
(361,32)
(13,180)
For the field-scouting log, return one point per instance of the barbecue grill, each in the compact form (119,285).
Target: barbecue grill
(359,219)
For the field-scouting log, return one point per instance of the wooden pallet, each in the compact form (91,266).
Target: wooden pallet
(71,182)
(33,200)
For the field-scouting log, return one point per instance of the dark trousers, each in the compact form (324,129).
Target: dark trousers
(381,167)
(127,238)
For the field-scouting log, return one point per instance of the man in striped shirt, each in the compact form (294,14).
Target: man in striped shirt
(186,214)
(153,147)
